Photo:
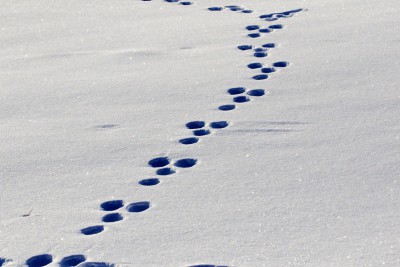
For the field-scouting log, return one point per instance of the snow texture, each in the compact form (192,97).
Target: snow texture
(201,133)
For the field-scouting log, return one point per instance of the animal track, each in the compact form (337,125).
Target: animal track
(265,30)
(276,16)
(231,8)
(216,8)
(92,230)
(269,45)
(185,3)
(112,217)
(159,162)
(186,163)
(255,65)
(201,132)
(189,141)
(236,90)
(245,47)
(227,107)
(268,70)
(195,124)
(256,92)
(276,26)
(260,54)
(149,182)
(219,124)
(112,205)
(165,171)
(241,95)
(241,99)
(260,49)
(39,260)
(72,260)
(252,27)
(138,206)
(254,35)
(281,64)
(260,77)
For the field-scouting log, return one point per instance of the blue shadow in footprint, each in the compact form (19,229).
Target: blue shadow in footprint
(149,182)
(195,124)
(186,163)
(72,260)
(159,162)
(112,217)
(219,124)
(256,92)
(189,141)
(39,260)
(227,107)
(138,206)
(112,205)
(201,132)
(236,90)
(165,171)
(92,230)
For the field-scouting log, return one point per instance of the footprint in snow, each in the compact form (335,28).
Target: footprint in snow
(279,15)
(254,35)
(201,132)
(189,140)
(280,64)
(238,91)
(159,162)
(138,206)
(112,205)
(260,54)
(231,8)
(256,92)
(149,182)
(245,47)
(227,107)
(112,217)
(219,124)
(260,77)
(72,260)
(268,70)
(252,27)
(198,127)
(255,65)
(39,260)
(92,230)
(165,171)
(185,163)
(195,124)
(241,99)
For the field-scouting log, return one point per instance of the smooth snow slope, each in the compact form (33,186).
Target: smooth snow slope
(306,175)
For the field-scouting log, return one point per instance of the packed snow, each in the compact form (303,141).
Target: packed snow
(201,133)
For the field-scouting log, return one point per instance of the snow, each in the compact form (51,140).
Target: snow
(307,174)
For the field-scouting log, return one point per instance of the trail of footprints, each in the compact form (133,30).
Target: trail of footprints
(115,210)
(184,3)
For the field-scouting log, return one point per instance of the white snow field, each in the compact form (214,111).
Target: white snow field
(305,175)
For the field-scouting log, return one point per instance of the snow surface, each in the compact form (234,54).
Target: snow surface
(307,175)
